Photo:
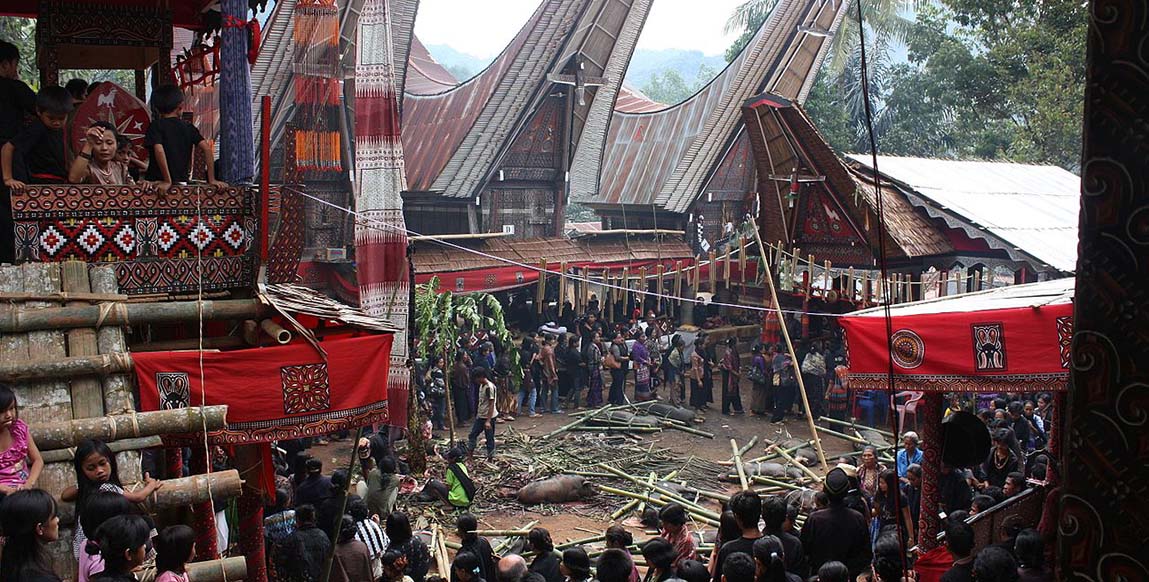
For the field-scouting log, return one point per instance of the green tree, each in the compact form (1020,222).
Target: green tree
(22,33)
(667,87)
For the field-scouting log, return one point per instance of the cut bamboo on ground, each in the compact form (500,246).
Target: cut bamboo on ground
(738,465)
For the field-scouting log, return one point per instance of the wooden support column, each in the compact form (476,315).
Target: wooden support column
(541,295)
(203,520)
(87,393)
(930,411)
(249,460)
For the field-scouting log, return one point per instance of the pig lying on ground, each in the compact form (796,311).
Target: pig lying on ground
(664,410)
(557,489)
(873,437)
(805,455)
(621,417)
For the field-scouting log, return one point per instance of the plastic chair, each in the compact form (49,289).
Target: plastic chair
(910,407)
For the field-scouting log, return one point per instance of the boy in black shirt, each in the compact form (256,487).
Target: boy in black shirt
(170,140)
(38,150)
(17,101)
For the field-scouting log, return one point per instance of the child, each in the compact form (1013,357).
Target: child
(174,549)
(122,543)
(170,140)
(39,148)
(18,448)
(30,522)
(17,100)
(96,470)
(101,506)
(125,156)
(96,162)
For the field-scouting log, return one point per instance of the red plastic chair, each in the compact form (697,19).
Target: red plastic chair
(910,407)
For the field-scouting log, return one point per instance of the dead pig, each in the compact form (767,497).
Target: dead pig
(557,489)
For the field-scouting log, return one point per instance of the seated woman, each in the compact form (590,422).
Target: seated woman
(96,162)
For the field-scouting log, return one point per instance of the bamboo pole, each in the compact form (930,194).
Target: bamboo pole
(574,424)
(712,271)
(742,258)
(440,549)
(541,292)
(817,478)
(68,433)
(668,493)
(19,320)
(74,368)
(855,426)
(794,358)
(87,393)
(225,570)
(580,542)
(275,331)
(738,465)
(503,544)
(68,454)
(746,447)
(502,532)
(649,485)
(197,489)
(853,439)
(659,502)
(775,483)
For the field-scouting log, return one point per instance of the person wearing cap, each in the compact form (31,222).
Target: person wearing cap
(837,533)
(910,453)
(575,565)
(315,488)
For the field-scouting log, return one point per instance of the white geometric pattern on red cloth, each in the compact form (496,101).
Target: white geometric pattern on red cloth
(91,239)
(126,239)
(167,237)
(51,240)
(234,235)
(201,236)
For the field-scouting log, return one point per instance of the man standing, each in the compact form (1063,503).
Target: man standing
(747,509)
(550,387)
(621,356)
(774,512)
(837,533)
(487,412)
(785,383)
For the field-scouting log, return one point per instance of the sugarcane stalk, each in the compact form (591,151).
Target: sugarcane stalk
(854,425)
(227,569)
(769,481)
(738,465)
(68,454)
(69,433)
(668,493)
(816,477)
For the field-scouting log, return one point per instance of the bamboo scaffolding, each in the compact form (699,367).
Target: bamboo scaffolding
(19,320)
(68,454)
(225,570)
(67,368)
(69,433)
(197,489)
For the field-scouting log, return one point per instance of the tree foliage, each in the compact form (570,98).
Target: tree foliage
(670,88)
(22,33)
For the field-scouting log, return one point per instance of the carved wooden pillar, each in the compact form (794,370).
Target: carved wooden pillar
(930,411)
(206,547)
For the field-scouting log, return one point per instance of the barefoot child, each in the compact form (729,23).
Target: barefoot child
(96,470)
(20,461)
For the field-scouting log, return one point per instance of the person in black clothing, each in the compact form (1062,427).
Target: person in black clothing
(1019,423)
(465,568)
(315,488)
(993,564)
(36,153)
(770,559)
(418,557)
(30,522)
(305,551)
(77,90)
(575,565)
(170,141)
(774,519)
(747,509)
(122,543)
(888,559)
(17,100)
(659,555)
(1002,459)
(833,572)
(955,491)
(330,512)
(837,532)
(546,562)
(465,526)
(959,542)
(738,567)
(912,488)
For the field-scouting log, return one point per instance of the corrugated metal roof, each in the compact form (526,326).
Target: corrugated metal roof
(666,157)
(632,100)
(425,76)
(1034,208)
(1055,292)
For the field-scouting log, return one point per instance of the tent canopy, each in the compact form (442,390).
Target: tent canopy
(1012,339)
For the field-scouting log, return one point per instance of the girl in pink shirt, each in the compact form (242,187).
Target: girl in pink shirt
(174,548)
(20,460)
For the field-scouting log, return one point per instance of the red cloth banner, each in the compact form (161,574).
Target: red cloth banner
(282,392)
(1024,349)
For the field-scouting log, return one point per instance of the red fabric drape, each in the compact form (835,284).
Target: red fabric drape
(274,393)
(1003,350)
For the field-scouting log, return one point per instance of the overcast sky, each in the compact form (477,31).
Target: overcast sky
(483,28)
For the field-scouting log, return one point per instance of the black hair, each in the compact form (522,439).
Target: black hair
(391,556)
(387,465)
(479,373)
(774,512)
(769,551)
(398,527)
(693,571)
(466,562)
(466,526)
(996,493)
(888,498)
(305,514)
(793,509)
(167,98)
(957,515)
(174,548)
(999,402)
(116,537)
(313,465)
(85,486)
(54,100)
(102,506)
(747,508)
(1015,407)
(100,123)
(20,513)
(7,397)
(539,539)
(77,88)
(959,538)
(347,529)
(659,553)
(1029,549)
(8,52)
(617,536)
(738,567)
(614,565)
(339,481)
(672,513)
(982,502)
(581,570)
(833,572)
(281,496)
(994,564)
(888,558)
(357,508)
(93,87)
(1017,479)
(728,528)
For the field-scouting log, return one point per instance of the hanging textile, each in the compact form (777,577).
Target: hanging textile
(236,144)
(381,234)
(281,392)
(318,89)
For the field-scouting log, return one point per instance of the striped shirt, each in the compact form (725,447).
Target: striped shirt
(369,532)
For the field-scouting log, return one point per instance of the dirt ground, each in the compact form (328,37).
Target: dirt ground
(579,520)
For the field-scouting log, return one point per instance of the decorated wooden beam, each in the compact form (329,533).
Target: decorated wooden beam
(69,433)
(20,320)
